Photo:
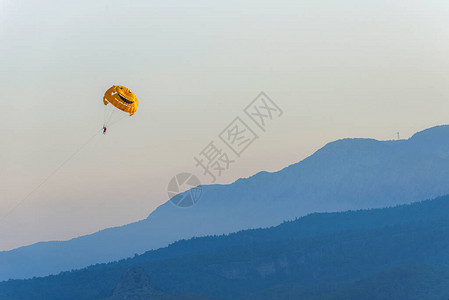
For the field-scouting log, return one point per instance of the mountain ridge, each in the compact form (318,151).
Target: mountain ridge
(343,175)
(322,250)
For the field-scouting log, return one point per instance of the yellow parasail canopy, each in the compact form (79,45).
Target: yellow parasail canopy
(122,98)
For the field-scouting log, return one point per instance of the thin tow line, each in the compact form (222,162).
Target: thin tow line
(48,177)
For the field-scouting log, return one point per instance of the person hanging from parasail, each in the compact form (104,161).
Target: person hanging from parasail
(122,100)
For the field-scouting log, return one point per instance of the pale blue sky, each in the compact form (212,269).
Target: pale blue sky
(337,68)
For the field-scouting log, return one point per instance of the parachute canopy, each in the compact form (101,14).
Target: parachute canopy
(122,98)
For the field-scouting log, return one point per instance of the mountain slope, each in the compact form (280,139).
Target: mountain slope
(321,256)
(407,282)
(346,174)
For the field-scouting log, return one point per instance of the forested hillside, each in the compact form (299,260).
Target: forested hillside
(391,253)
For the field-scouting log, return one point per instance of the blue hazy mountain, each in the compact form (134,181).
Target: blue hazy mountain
(343,175)
(398,253)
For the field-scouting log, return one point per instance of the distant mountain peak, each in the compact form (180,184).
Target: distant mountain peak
(437,132)
(347,174)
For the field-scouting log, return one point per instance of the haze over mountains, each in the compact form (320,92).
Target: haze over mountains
(399,253)
(345,174)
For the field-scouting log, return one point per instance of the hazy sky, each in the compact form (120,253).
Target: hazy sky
(336,68)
